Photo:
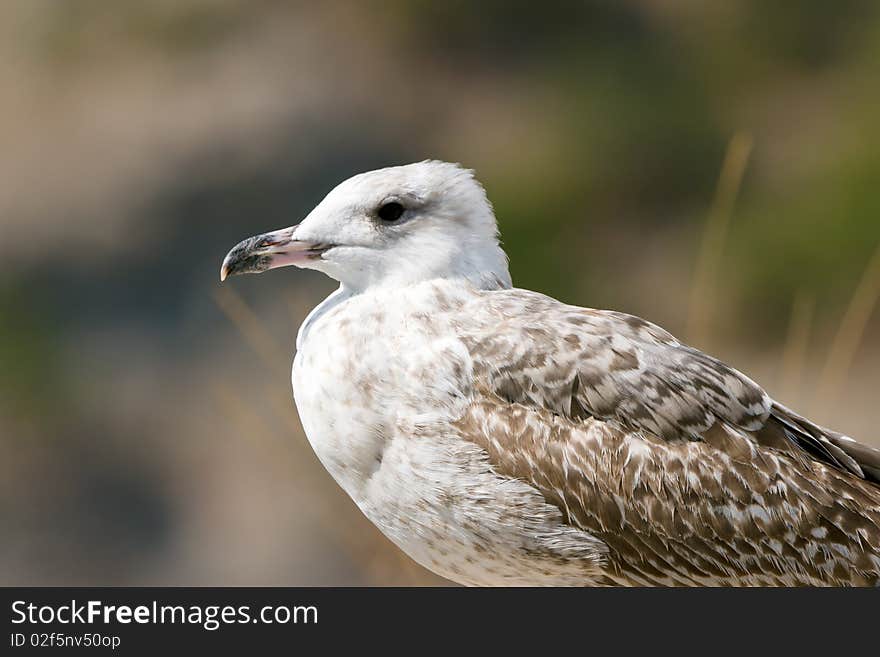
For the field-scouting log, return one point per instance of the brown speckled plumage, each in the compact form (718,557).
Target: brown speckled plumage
(684,467)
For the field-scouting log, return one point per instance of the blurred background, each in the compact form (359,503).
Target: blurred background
(714,167)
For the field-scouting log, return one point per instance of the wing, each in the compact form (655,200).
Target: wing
(684,512)
(683,466)
(577,362)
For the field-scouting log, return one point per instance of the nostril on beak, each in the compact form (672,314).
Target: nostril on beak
(268,241)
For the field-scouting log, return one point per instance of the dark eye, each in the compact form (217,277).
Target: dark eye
(390,211)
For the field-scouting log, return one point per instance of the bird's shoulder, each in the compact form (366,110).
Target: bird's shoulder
(582,361)
(532,350)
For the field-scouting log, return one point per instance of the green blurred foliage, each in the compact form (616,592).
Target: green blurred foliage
(31,381)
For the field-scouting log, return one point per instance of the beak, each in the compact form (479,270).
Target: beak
(268,251)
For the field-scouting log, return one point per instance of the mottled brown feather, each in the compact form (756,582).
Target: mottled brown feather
(685,512)
(683,466)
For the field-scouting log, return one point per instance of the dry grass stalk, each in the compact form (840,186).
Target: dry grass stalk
(849,334)
(794,352)
(252,329)
(714,236)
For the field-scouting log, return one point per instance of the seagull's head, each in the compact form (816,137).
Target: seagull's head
(389,227)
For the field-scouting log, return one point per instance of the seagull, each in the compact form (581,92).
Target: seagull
(501,437)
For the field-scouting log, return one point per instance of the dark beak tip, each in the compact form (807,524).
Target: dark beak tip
(227,267)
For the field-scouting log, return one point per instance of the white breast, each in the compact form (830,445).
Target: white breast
(378,379)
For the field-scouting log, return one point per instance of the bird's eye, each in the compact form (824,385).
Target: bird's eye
(390,212)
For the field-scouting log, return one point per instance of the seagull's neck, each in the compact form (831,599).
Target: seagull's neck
(340,295)
(485,279)
(480,265)
(477,265)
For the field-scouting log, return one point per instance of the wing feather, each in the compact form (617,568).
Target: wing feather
(685,512)
(683,466)
(579,362)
